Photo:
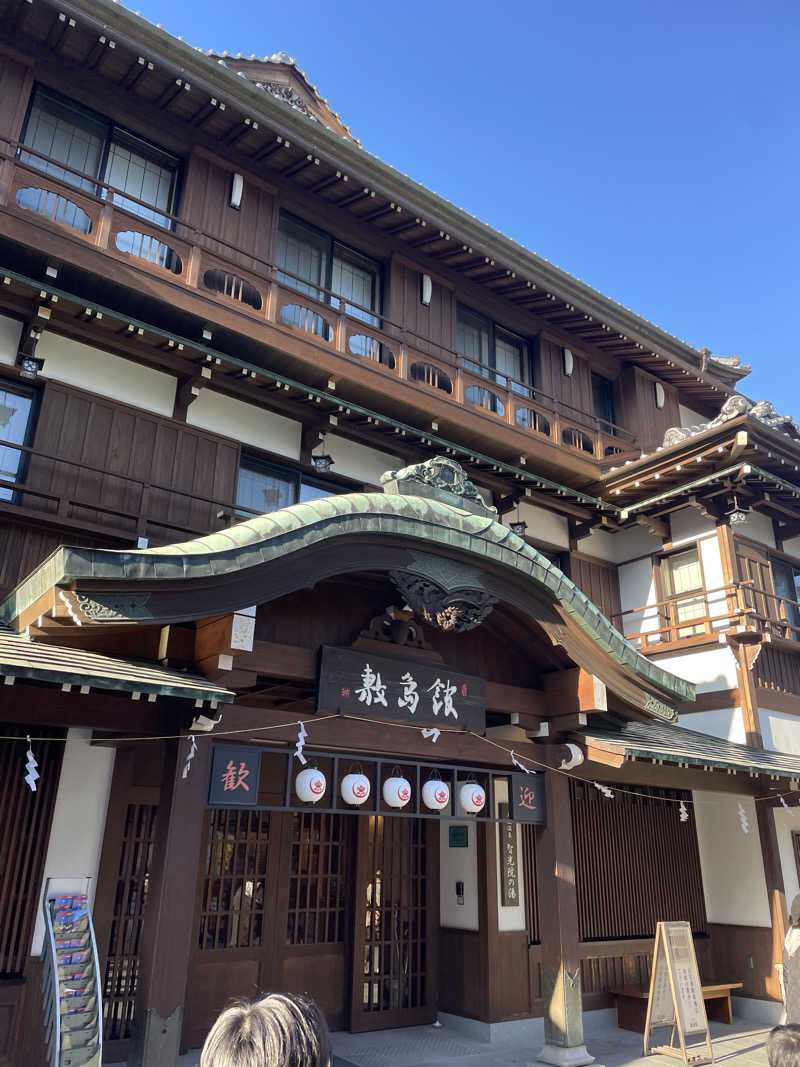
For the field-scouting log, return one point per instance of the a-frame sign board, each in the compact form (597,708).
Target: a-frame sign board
(676,998)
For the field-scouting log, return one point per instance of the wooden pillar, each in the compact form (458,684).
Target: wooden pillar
(776,894)
(169,919)
(561,967)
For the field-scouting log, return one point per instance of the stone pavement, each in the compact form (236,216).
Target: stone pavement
(739,1045)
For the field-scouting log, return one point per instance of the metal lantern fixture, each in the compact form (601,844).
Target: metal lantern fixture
(396,790)
(355,788)
(436,794)
(322,462)
(738,516)
(472,797)
(310,785)
(519,526)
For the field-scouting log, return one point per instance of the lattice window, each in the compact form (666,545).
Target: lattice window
(656,870)
(234,884)
(319,869)
(395,948)
(529,875)
(130,899)
(24,832)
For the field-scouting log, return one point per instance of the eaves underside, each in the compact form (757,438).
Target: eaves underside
(316,138)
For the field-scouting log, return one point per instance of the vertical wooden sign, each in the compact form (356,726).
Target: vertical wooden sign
(676,998)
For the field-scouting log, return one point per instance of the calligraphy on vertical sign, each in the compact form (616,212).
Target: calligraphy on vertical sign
(528,798)
(509,861)
(235,771)
(676,996)
(376,687)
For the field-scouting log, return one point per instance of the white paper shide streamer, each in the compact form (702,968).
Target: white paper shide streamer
(31,767)
(191,754)
(745,825)
(683,811)
(607,793)
(431,734)
(302,734)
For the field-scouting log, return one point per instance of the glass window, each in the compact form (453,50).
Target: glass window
(262,488)
(603,401)
(683,577)
(490,351)
(302,258)
(787,586)
(16,411)
(75,138)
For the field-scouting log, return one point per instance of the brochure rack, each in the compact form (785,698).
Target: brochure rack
(71,982)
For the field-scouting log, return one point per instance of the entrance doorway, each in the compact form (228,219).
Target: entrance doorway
(288,900)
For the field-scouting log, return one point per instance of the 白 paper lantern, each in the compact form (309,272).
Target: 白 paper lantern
(472,797)
(436,794)
(355,788)
(310,785)
(397,791)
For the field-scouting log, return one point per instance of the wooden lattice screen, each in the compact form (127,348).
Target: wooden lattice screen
(319,869)
(234,893)
(25,818)
(636,863)
(529,881)
(130,899)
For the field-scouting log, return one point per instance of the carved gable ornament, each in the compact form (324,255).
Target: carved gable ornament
(439,478)
(445,593)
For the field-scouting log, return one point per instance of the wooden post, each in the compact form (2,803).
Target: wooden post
(169,919)
(776,894)
(561,966)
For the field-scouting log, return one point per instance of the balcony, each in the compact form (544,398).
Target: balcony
(390,354)
(701,616)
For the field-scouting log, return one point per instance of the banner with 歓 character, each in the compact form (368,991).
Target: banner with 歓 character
(376,687)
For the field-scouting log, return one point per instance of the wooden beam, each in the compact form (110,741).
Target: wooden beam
(575,691)
(227,635)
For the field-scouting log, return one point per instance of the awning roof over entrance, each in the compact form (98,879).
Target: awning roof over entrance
(24,659)
(673,744)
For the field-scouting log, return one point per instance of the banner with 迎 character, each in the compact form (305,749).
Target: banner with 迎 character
(235,771)
(376,687)
(527,795)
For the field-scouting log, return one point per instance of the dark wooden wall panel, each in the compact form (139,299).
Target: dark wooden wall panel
(598,580)
(655,875)
(434,324)
(732,947)
(461,989)
(777,670)
(119,440)
(245,235)
(21,549)
(637,407)
(16,80)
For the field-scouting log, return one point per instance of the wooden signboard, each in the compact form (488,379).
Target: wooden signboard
(676,998)
(509,861)
(376,687)
(528,799)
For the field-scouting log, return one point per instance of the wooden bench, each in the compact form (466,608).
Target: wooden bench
(632,1004)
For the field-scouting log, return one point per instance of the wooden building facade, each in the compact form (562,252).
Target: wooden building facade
(291,406)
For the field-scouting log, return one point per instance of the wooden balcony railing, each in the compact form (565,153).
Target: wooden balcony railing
(182,254)
(707,612)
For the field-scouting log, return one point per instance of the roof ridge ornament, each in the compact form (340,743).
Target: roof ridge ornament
(734,406)
(439,478)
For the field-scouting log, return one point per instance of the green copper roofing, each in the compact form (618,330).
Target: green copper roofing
(275,536)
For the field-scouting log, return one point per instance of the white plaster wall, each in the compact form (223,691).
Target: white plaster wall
(599,543)
(510,917)
(245,423)
(687,525)
(10,329)
(785,823)
(733,871)
(637,588)
(543,525)
(792,546)
(727,723)
(780,732)
(458,865)
(690,418)
(710,669)
(99,372)
(759,528)
(357,461)
(79,820)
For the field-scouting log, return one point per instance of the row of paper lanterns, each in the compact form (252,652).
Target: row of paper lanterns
(310,786)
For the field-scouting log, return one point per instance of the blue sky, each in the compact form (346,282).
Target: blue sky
(651,148)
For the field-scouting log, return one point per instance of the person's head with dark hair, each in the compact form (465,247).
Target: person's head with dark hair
(783,1046)
(280,1030)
